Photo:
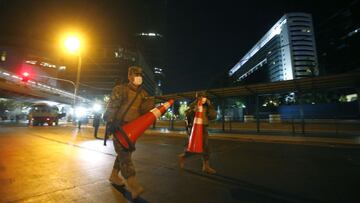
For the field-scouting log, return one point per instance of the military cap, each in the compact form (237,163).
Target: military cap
(201,94)
(134,70)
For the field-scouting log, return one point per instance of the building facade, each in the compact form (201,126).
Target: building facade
(159,79)
(39,66)
(286,52)
(105,66)
(338,40)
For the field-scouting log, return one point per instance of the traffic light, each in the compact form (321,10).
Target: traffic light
(25,76)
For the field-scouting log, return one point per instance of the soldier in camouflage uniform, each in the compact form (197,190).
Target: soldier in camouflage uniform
(209,113)
(122,96)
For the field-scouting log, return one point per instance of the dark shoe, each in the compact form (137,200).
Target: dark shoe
(135,189)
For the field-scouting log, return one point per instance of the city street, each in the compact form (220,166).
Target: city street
(271,87)
(64,164)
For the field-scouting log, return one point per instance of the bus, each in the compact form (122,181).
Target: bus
(41,113)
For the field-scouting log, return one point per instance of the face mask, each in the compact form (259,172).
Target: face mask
(137,80)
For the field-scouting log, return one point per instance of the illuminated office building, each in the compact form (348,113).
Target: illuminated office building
(286,52)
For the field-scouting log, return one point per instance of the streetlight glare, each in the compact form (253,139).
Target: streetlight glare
(80,111)
(72,44)
(97,107)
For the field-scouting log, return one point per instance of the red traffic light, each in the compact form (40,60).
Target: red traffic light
(25,76)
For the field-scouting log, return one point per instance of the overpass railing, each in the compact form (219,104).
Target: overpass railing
(8,76)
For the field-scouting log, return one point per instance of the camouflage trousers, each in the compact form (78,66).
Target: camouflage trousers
(206,148)
(123,161)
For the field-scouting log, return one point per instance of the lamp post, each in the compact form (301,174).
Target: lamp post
(64,80)
(77,78)
(72,44)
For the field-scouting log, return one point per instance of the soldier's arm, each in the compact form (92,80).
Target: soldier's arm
(193,106)
(147,103)
(114,103)
(211,113)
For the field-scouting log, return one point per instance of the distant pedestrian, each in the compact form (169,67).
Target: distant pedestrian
(96,123)
(79,123)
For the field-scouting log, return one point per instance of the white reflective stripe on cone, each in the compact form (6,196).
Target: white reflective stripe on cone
(156,112)
(167,105)
(198,121)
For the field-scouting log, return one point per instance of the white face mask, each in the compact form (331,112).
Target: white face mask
(137,80)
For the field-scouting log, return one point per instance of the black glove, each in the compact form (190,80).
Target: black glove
(112,126)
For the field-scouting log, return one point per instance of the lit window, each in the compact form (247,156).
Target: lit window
(3,56)
(305,30)
(62,67)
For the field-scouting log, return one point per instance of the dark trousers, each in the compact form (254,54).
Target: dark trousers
(96,129)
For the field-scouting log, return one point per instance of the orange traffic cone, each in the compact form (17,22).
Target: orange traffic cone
(130,132)
(196,137)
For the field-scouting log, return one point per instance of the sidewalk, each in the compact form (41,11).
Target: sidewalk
(353,141)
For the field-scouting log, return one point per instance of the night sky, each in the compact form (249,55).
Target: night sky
(204,39)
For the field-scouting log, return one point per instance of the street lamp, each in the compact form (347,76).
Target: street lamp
(72,44)
(60,79)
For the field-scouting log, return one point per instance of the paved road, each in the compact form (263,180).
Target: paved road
(62,164)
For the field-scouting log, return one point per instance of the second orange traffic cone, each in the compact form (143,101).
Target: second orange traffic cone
(196,137)
(130,132)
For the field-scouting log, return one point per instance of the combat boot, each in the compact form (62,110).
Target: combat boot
(207,169)
(115,179)
(181,161)
(134,187)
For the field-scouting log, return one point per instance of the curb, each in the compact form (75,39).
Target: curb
(268,138)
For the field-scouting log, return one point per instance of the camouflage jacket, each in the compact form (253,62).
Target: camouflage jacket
(209,113)
(121,97)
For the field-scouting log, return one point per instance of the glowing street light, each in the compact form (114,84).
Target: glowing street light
(72,44)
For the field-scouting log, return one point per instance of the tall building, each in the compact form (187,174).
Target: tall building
(287,51)
(338,40)
(151,46)
(151,38)
(159,80)
(104,66)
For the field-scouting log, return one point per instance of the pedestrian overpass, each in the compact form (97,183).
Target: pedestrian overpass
(12,86)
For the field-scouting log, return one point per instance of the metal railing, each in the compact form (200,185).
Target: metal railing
(330,127)
(37,85)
